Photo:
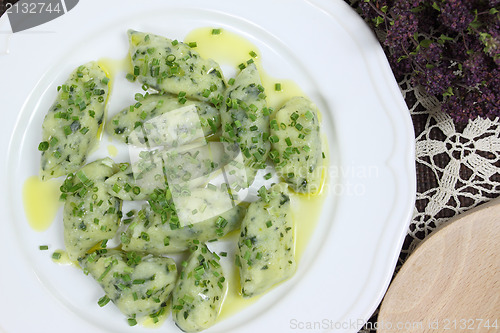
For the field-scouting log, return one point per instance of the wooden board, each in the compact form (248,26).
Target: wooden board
(451,282)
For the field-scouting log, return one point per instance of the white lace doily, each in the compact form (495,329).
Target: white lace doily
(458,167)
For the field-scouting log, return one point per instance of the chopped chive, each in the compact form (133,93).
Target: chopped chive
(274,125)
(267,176)
(53,141)
(269,224)
(56,255)
(132,321)
(216,31)
(57,154)
(103,301)
(43,146)
(106,271)
(277,86)
(258,156)
(116,188)
(81,175)
(274,139)
(237,261)
(138,281)
(262,192)
(309,115)
(43,247)
(145,236)
(67,130)
(192,44)
(253,54)
(130,77)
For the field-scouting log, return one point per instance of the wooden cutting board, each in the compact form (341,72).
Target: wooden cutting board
(451,282)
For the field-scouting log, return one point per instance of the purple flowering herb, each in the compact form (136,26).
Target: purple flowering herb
(449,47)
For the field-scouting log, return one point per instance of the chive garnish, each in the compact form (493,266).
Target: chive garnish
(103,301)
(138,281)
(43,146)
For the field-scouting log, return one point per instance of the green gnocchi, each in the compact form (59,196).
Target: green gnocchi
(154,110)
(69,130)
(198,295)
(90,214)
(174,67)
(266,244)
(137,285)
(196,144)
(297,151)
(245,119)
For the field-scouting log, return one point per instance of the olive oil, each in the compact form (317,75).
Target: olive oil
(228,48)
(41,202)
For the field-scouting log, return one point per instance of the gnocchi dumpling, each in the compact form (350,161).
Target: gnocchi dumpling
(266,254)
(69,130)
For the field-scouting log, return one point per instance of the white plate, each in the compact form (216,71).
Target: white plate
(320,44)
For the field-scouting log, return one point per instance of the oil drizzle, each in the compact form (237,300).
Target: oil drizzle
(228,48)
(41,202)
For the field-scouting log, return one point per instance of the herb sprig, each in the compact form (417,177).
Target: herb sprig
(449,47)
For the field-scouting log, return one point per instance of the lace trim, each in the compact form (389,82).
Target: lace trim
(458,167)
